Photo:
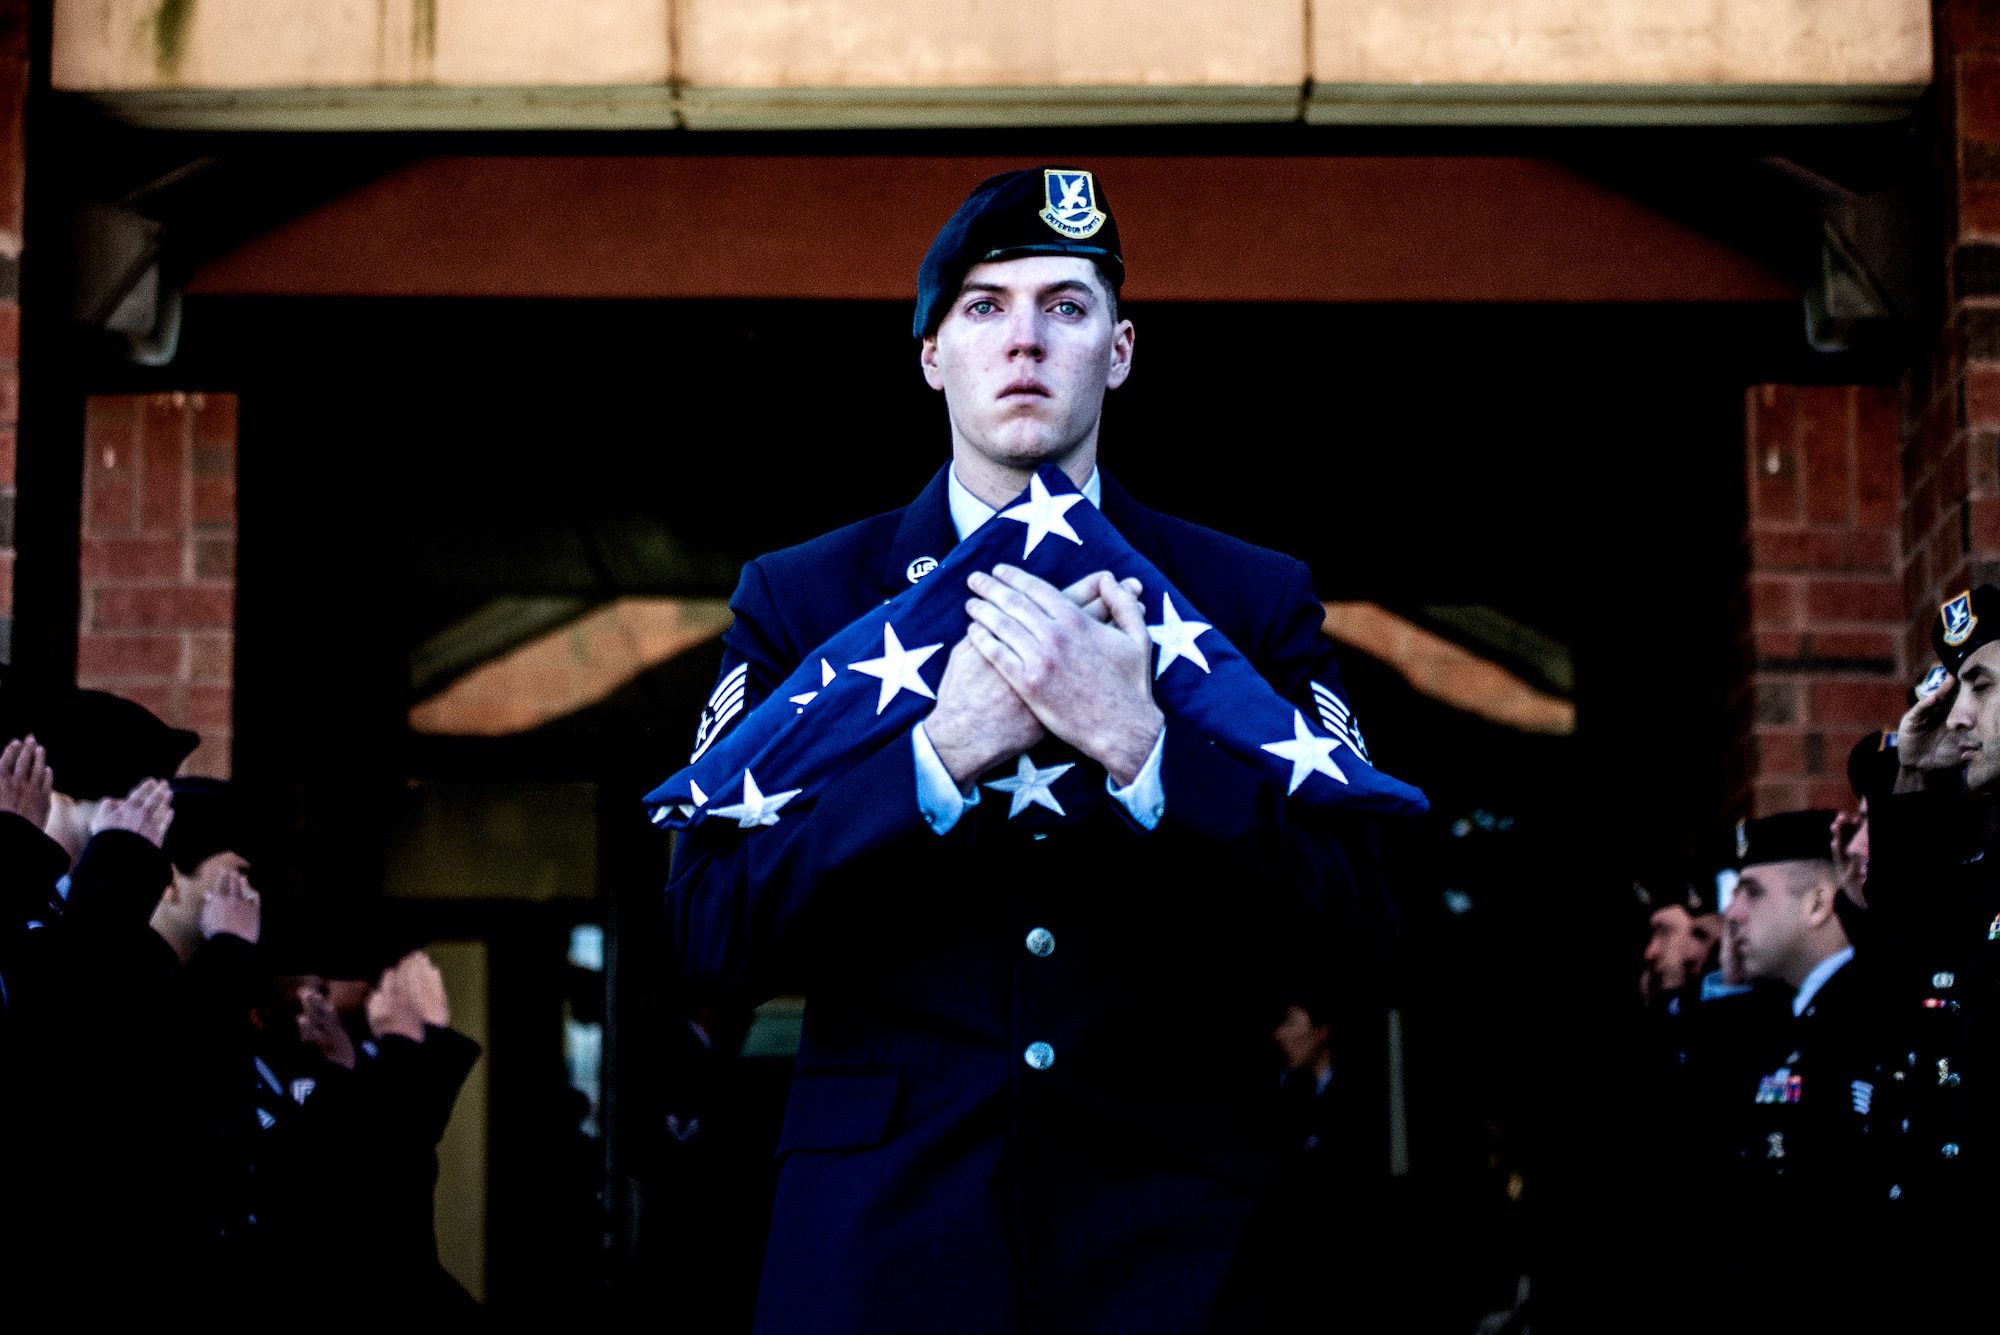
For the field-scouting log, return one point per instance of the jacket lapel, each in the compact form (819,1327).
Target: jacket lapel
(925,532)
(1135,522)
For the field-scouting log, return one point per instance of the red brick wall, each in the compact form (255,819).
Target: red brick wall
(158,560)
(1825,661)
(1951,475)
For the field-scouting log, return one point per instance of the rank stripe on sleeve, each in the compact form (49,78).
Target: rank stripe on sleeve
(725,702)
(1338,719)
(734,679)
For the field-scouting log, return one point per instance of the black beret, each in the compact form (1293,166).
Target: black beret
(102,745)
(1041,211)
(1657,891)
(1793,836)
(206,822)
(1872,764)
(1964,623)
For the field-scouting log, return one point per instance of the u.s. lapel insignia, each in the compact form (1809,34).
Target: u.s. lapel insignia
(1958,619)
(920,567)
(1072,203)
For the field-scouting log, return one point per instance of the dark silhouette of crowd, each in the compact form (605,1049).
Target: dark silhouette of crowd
(206,1114)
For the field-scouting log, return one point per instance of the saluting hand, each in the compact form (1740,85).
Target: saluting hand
(979,721)
(25,780)
(409,997)
(232,905)
(1923,743)
(320,1027)
(146,811)
(1087,682)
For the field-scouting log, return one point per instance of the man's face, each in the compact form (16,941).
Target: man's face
(1973,726)
(1667,949)
(1024,356)
(1704,934)
(1299,1038)
(1734,971)
(279,1014)
(1773,912)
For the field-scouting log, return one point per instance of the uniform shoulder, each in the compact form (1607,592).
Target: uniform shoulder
(865,543)
(1195,546)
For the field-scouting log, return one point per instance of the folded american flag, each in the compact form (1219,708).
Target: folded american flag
(875,679)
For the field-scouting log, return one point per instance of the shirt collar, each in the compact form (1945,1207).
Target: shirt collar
(968,512)
(1815,980)
(1714,987)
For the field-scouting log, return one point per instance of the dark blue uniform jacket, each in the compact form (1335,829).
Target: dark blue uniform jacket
(933,1180)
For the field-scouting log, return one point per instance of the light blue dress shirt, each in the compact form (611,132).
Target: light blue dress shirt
(1815,980)
(943,802)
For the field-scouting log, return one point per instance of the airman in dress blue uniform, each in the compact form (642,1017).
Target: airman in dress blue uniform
(1034,1086)
(1933,896)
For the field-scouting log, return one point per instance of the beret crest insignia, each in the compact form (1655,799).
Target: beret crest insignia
(1958,619)
(1071,203)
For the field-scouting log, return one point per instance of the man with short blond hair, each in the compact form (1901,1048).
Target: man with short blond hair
(1035,929)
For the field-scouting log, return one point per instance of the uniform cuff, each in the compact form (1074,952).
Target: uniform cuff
(940,800)
(1145,798)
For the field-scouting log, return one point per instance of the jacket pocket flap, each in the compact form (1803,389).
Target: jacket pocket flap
(848,1110)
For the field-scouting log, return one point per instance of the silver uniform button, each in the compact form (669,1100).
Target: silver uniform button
(1041,941)
(1040,1056)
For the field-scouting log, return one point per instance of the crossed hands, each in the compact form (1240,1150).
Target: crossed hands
(1038,660)
(410,996)
(26,780)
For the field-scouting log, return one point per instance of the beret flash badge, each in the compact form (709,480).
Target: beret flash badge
(1958,619)
(1072,203)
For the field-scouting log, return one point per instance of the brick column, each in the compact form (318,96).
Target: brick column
(158,560)
(1951,475)
(1826,606)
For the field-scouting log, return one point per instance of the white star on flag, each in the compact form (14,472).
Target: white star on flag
(1176,637)
(1308,754)
(897,667)
(825,680)
(1030,787)
(1043,514)
(755,808)
(687,808)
